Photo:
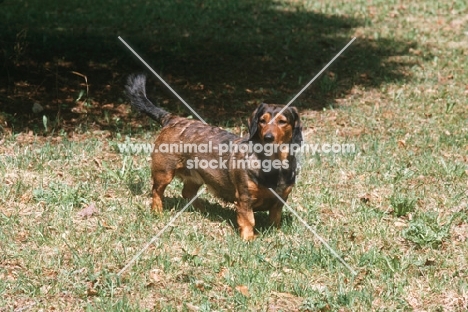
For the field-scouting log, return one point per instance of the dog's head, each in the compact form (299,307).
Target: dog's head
(267,126)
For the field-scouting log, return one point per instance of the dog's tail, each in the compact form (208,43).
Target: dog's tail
(137,94)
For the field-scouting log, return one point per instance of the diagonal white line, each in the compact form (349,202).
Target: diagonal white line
(315,233)
(159,233)
(162,80)
(313,79)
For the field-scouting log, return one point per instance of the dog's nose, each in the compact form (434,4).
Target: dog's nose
(269,137)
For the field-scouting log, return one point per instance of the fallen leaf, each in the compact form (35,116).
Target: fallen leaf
(400,224)
(88,211)
(200,285)
(155,275)
(365,198)
(223,272)
(401,143)
(461,232)
(286,295)
(97,162)
(243,290)
(429,262)
(107,226)
(300,208)
(90,290)
(191,307)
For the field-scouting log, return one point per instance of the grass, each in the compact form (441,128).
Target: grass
(396,210)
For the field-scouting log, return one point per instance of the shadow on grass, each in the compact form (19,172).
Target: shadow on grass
(223,57)
(212,211)
(215,212)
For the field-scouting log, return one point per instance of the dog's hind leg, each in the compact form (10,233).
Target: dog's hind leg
(190,190)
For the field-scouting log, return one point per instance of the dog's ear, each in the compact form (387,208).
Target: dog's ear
(253,121)
(297,131)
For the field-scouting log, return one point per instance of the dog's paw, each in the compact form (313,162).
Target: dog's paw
(247,234)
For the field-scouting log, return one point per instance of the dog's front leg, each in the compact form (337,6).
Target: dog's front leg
(276,209)
(245,219)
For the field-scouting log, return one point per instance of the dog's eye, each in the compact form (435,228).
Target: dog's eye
(282,122)
(262,121)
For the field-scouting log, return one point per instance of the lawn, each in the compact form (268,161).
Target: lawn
(74,210)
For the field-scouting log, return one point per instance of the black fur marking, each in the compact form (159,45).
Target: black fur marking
(136,92)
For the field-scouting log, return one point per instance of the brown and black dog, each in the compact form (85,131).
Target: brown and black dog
(242,175)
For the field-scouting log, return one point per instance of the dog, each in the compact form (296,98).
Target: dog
(234,179)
